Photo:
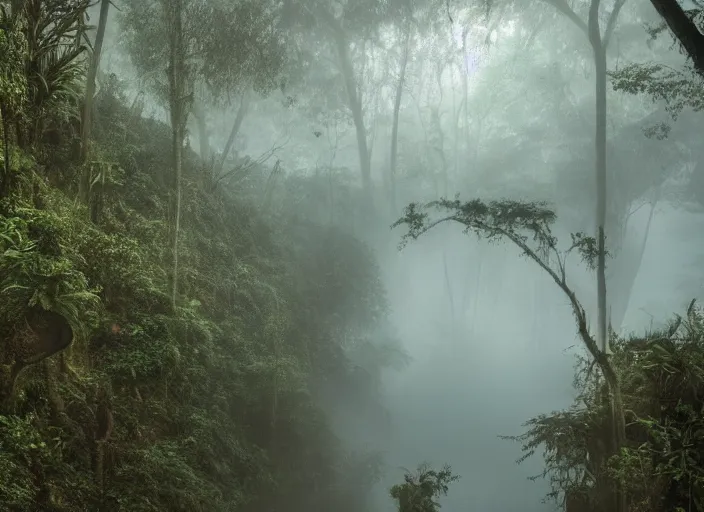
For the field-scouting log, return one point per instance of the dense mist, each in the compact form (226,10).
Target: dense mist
(491,340)
(310,245)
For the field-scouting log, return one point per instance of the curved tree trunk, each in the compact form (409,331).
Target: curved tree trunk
(355,105)
(341,44)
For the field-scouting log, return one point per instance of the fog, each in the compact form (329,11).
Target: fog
(502,368)
(491,339)
(512,360)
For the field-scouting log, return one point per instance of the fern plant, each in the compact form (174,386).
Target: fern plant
(32,277)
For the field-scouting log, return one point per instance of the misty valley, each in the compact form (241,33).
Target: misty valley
(351,255)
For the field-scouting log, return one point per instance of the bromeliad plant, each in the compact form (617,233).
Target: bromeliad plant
(55,43)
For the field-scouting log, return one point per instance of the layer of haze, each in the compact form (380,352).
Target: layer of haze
(492,340)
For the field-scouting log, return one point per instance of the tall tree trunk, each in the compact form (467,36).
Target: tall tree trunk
(241,112)
(600,349)
(90,93)
(353,96)
(177,97)
(394,127)
(465,91)
(599,45)
(355,105)
(456,111)
(600,174)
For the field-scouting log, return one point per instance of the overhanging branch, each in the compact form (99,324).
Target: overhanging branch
(684,29)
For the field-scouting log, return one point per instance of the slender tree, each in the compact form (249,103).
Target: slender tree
(400,84)
(86,120)
(342,25)
(342,43)
(90,80)
(213,47)
(179,109)
(528,227)
(599,44)
(231,48)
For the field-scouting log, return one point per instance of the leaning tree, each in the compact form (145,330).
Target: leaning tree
(528,226)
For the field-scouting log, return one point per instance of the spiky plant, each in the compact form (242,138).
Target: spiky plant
(54,63)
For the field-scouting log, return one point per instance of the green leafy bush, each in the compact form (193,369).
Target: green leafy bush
(419,492)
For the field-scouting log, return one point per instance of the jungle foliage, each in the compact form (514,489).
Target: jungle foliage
(420,490)
(116,397)
(114,400)
(650,388)
(660,465)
